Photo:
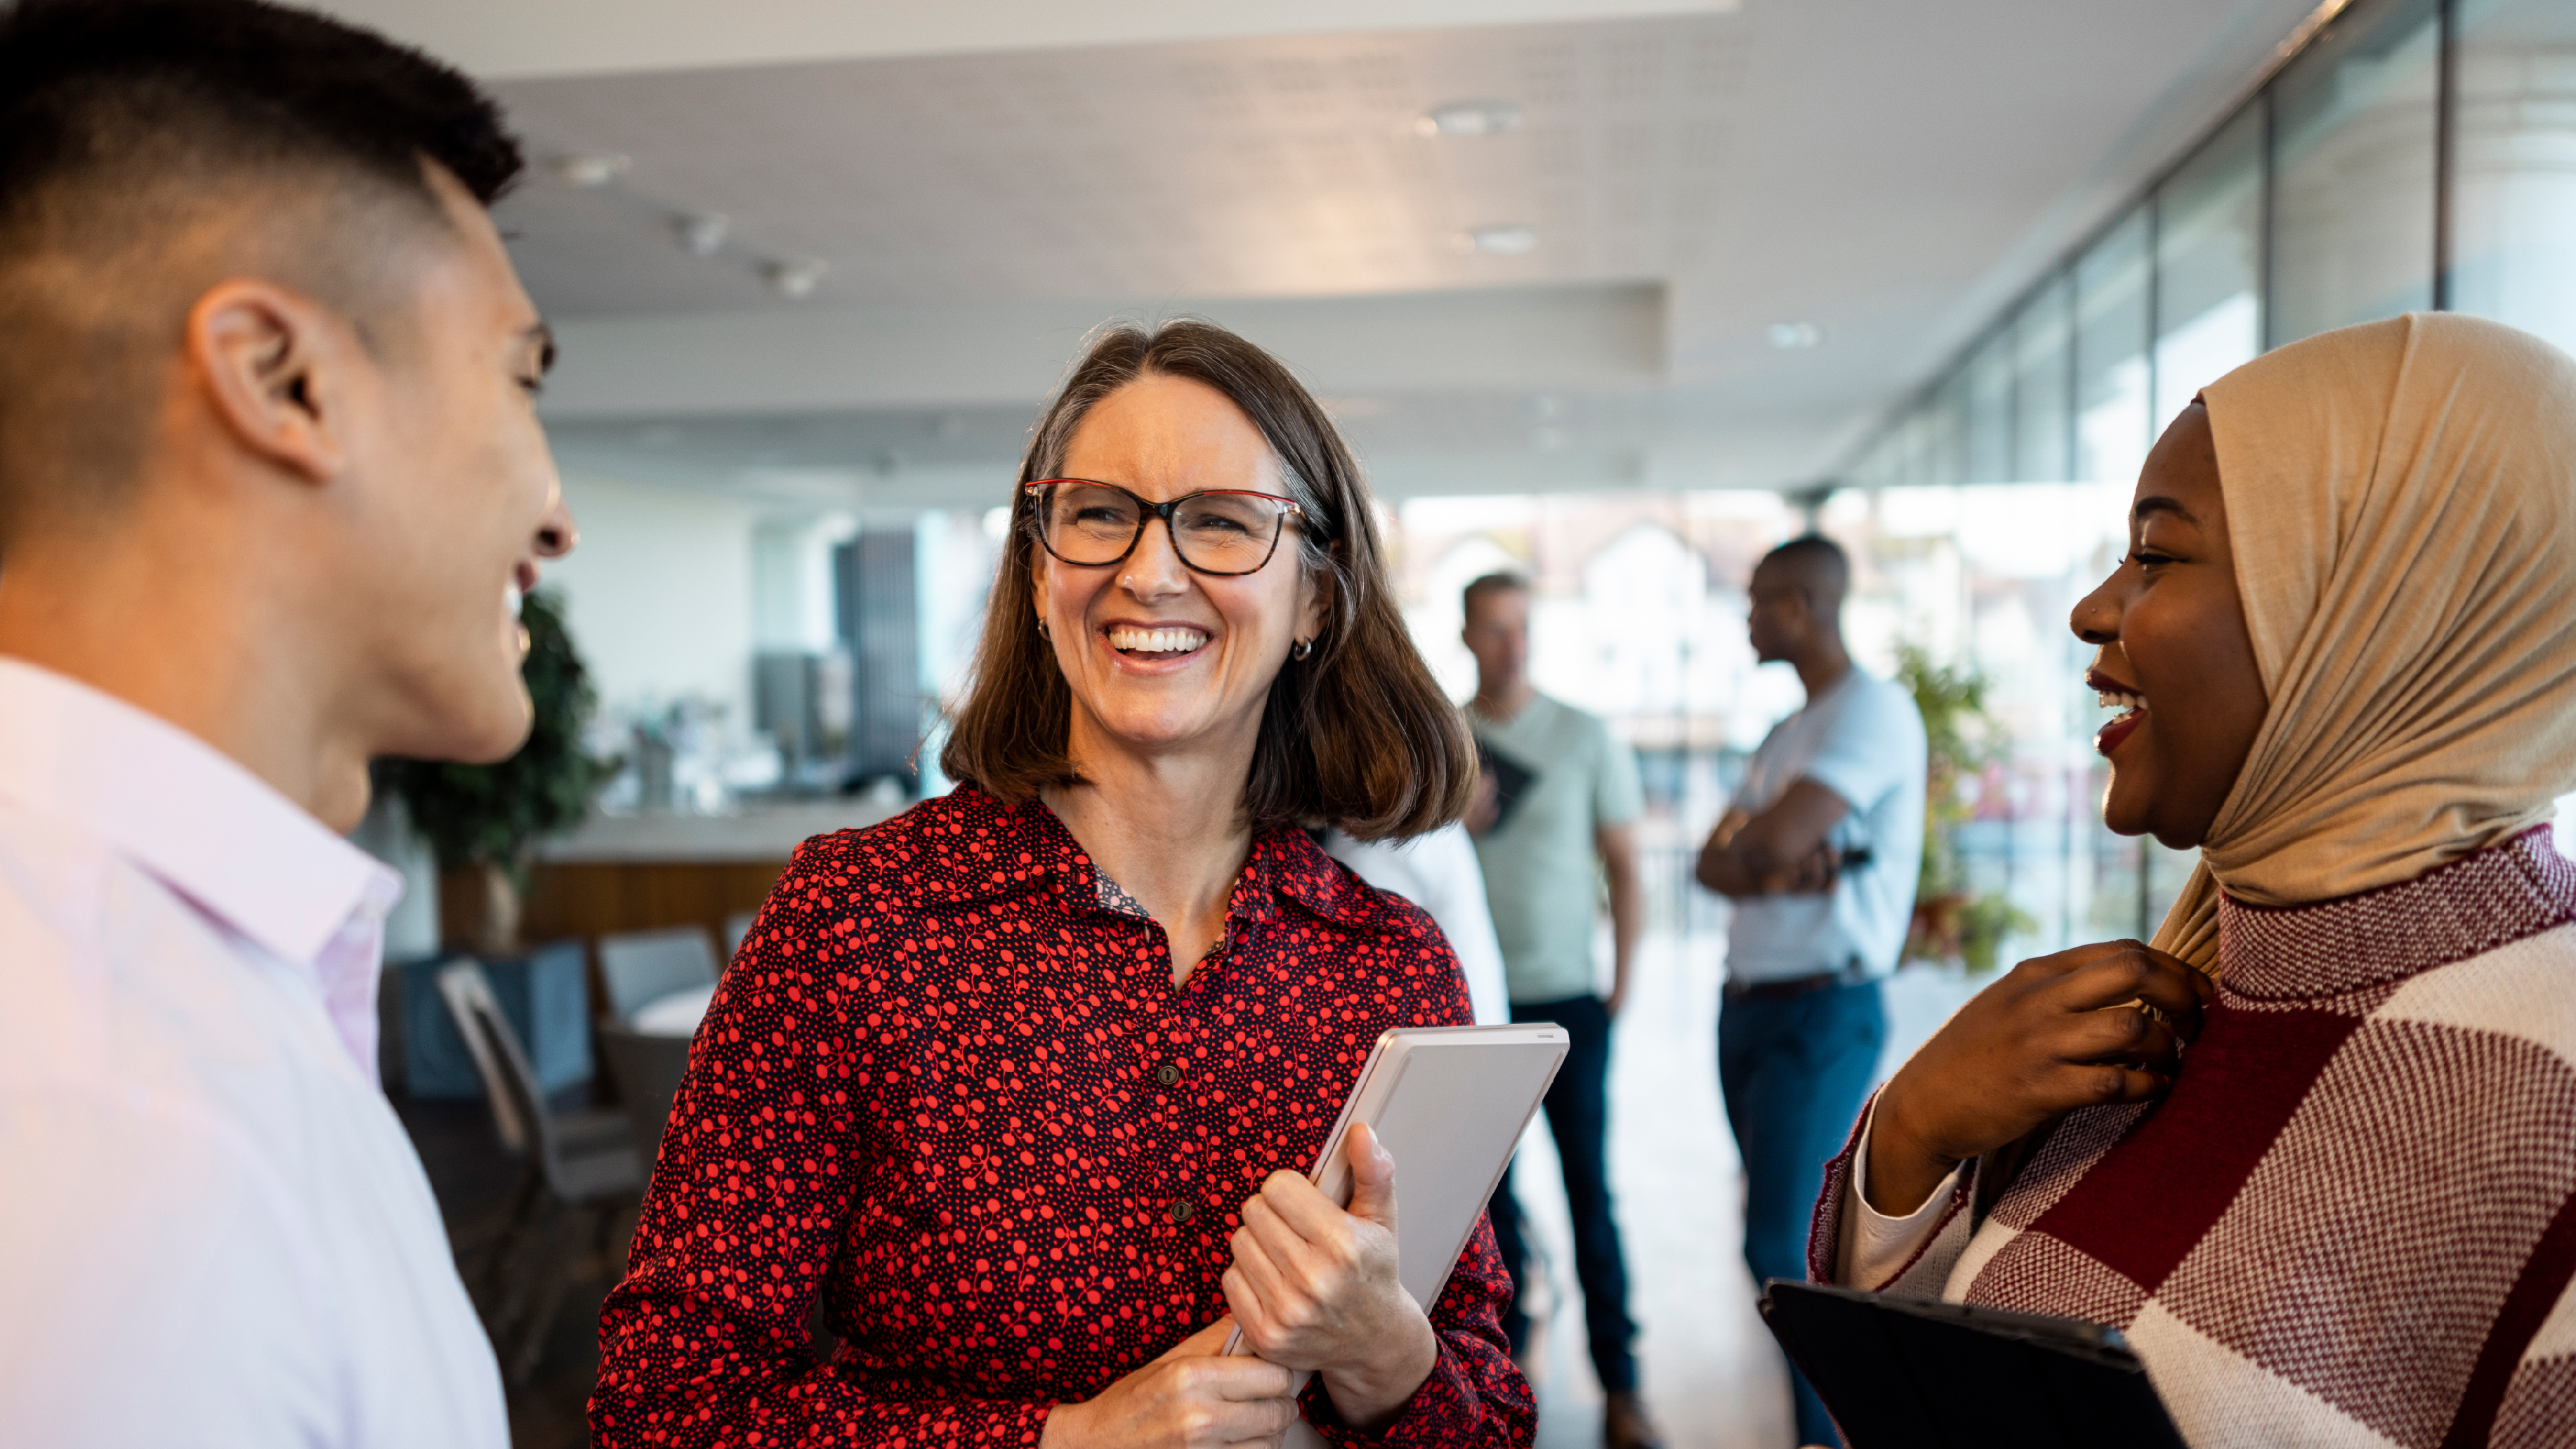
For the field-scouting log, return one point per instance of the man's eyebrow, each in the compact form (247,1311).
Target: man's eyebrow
(2159,503)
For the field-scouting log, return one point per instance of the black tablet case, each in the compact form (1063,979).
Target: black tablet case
(1907,1373)
(1512,780)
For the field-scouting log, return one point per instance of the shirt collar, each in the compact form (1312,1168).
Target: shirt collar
(186,813)
(1293,865)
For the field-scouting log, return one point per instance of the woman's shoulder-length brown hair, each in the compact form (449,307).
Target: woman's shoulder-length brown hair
(1356,735)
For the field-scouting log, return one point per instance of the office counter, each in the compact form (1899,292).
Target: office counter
(637,872)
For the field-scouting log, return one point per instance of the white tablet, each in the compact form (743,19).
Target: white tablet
(1450,1103)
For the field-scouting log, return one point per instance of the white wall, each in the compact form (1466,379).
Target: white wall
(661,592)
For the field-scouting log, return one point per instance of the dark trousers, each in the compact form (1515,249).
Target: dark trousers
(1795,1072)
(1578,1116)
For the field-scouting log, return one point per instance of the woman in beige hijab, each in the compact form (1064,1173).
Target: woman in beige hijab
(2327,1186)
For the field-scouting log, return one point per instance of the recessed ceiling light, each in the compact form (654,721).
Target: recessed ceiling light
(591,169)
(1499,241)
(1469,118)
(797,277)
(1794,336)
(702,233)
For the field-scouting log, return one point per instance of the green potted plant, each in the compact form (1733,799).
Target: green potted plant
(482,819)
(1951,921)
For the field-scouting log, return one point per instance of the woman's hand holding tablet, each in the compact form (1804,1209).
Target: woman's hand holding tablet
(1315,1286)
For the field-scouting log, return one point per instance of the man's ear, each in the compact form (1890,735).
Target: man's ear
(273,366)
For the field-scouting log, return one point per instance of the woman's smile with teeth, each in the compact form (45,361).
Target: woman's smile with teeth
(1156,641)
(2132,709)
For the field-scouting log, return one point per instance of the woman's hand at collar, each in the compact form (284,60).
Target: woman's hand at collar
(1315,1287)
(2058,1033)
(1190,1398)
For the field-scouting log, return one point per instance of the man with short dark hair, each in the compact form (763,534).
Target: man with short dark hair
(1819,851)
(270,483)
(1555,833)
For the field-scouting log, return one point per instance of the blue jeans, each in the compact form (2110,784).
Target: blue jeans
(1795,1072)
(1578,1116)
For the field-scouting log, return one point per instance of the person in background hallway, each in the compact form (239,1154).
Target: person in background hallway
(1565,796)
(1819,851)
(1438,872)
(270,479)
(1024,1083)
(2342,648)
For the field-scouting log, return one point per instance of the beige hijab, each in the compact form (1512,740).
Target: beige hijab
(2402,500)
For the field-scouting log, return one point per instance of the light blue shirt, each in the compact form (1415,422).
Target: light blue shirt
(1541,861)
(1863,740)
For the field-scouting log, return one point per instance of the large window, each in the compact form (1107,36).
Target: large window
(2513,195)
(2043,385)
(2413,154)
(2355,129)
(1990,411)
(2112,411)
(2209,264)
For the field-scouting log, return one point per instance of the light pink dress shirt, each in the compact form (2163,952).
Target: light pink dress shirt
(213,1229)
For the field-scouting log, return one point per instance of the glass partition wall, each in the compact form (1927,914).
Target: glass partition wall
(2412,154)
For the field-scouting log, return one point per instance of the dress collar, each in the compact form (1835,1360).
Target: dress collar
(2472,905)
(1284,863)
(186,813)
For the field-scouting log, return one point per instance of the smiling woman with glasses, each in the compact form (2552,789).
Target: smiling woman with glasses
(1023,1084)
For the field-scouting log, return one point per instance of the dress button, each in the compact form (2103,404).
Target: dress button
(1183,1210)
(1167,1074)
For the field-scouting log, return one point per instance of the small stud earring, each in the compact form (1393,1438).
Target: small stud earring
(1043,631)
(1304,648)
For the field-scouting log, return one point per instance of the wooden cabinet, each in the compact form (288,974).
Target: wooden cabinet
(591,898)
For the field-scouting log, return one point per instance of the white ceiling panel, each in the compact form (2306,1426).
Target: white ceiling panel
(1277,167)
(517,39)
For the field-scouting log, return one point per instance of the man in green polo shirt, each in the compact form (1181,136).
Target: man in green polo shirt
(1556,818)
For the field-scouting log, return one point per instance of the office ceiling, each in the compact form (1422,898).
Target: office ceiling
(1267,168)
(982,182)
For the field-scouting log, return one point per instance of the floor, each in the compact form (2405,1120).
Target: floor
(1710,1372)
(1707,1366)
(472,1180)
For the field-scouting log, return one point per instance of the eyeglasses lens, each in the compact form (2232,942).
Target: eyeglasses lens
(1219,532)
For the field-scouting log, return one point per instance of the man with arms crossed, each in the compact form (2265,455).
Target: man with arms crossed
(1564,797)
(1819,852)
(270,481)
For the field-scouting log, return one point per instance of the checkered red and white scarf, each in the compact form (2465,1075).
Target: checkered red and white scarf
(2353,1220)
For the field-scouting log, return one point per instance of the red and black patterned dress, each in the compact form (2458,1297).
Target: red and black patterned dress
(949,1086)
